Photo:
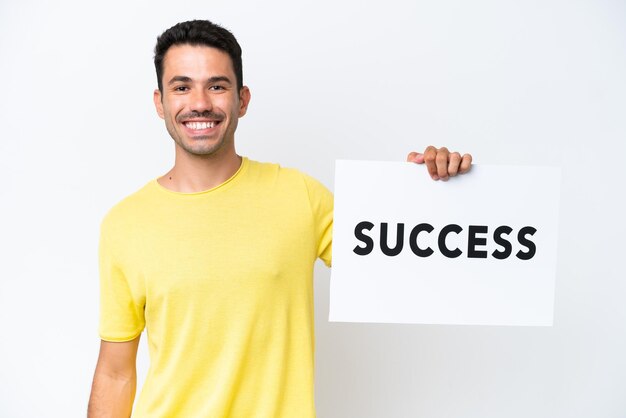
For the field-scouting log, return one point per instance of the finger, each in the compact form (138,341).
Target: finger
(454,163)
(430,154)
(415,157)
(466,164)
(442,163)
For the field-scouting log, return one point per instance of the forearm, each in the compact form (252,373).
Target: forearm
(112,395)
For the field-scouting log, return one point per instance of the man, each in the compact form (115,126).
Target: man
(215,258)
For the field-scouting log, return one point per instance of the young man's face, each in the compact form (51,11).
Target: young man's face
(200,102)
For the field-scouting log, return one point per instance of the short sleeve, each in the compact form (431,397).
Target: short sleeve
(321,201)
(121,312)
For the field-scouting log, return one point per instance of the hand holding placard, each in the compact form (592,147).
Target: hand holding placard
(441,163)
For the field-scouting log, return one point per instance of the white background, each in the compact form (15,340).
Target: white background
(525,82)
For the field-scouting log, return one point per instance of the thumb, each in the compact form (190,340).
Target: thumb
(415,157)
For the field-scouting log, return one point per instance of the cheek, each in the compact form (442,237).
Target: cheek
(169,109)
(227,104)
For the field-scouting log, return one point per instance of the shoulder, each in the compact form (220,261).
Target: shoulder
(284,175)
(292,187)
(123,214)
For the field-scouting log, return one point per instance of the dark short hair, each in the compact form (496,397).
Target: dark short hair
(198,32)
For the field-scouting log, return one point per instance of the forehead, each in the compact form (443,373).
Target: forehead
(201,61)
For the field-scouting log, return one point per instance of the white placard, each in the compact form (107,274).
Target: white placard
(454,265)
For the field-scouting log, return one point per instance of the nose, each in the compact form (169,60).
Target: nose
(201,101)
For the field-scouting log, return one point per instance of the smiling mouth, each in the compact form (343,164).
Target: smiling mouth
(200,126)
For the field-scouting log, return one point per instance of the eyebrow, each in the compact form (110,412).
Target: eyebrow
(185,79)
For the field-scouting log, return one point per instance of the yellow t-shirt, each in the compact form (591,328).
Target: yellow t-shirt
(222,282)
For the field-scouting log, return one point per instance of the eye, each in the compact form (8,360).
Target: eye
(216,88)
(181,88)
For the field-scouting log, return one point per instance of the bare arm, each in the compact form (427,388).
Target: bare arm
(115,380)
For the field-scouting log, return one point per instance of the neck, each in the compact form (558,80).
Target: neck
(196,173)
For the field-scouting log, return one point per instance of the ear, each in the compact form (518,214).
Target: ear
(158,103)
(244,99)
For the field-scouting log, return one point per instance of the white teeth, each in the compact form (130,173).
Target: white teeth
(199,125)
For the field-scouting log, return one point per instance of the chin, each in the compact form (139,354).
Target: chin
(204,151)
